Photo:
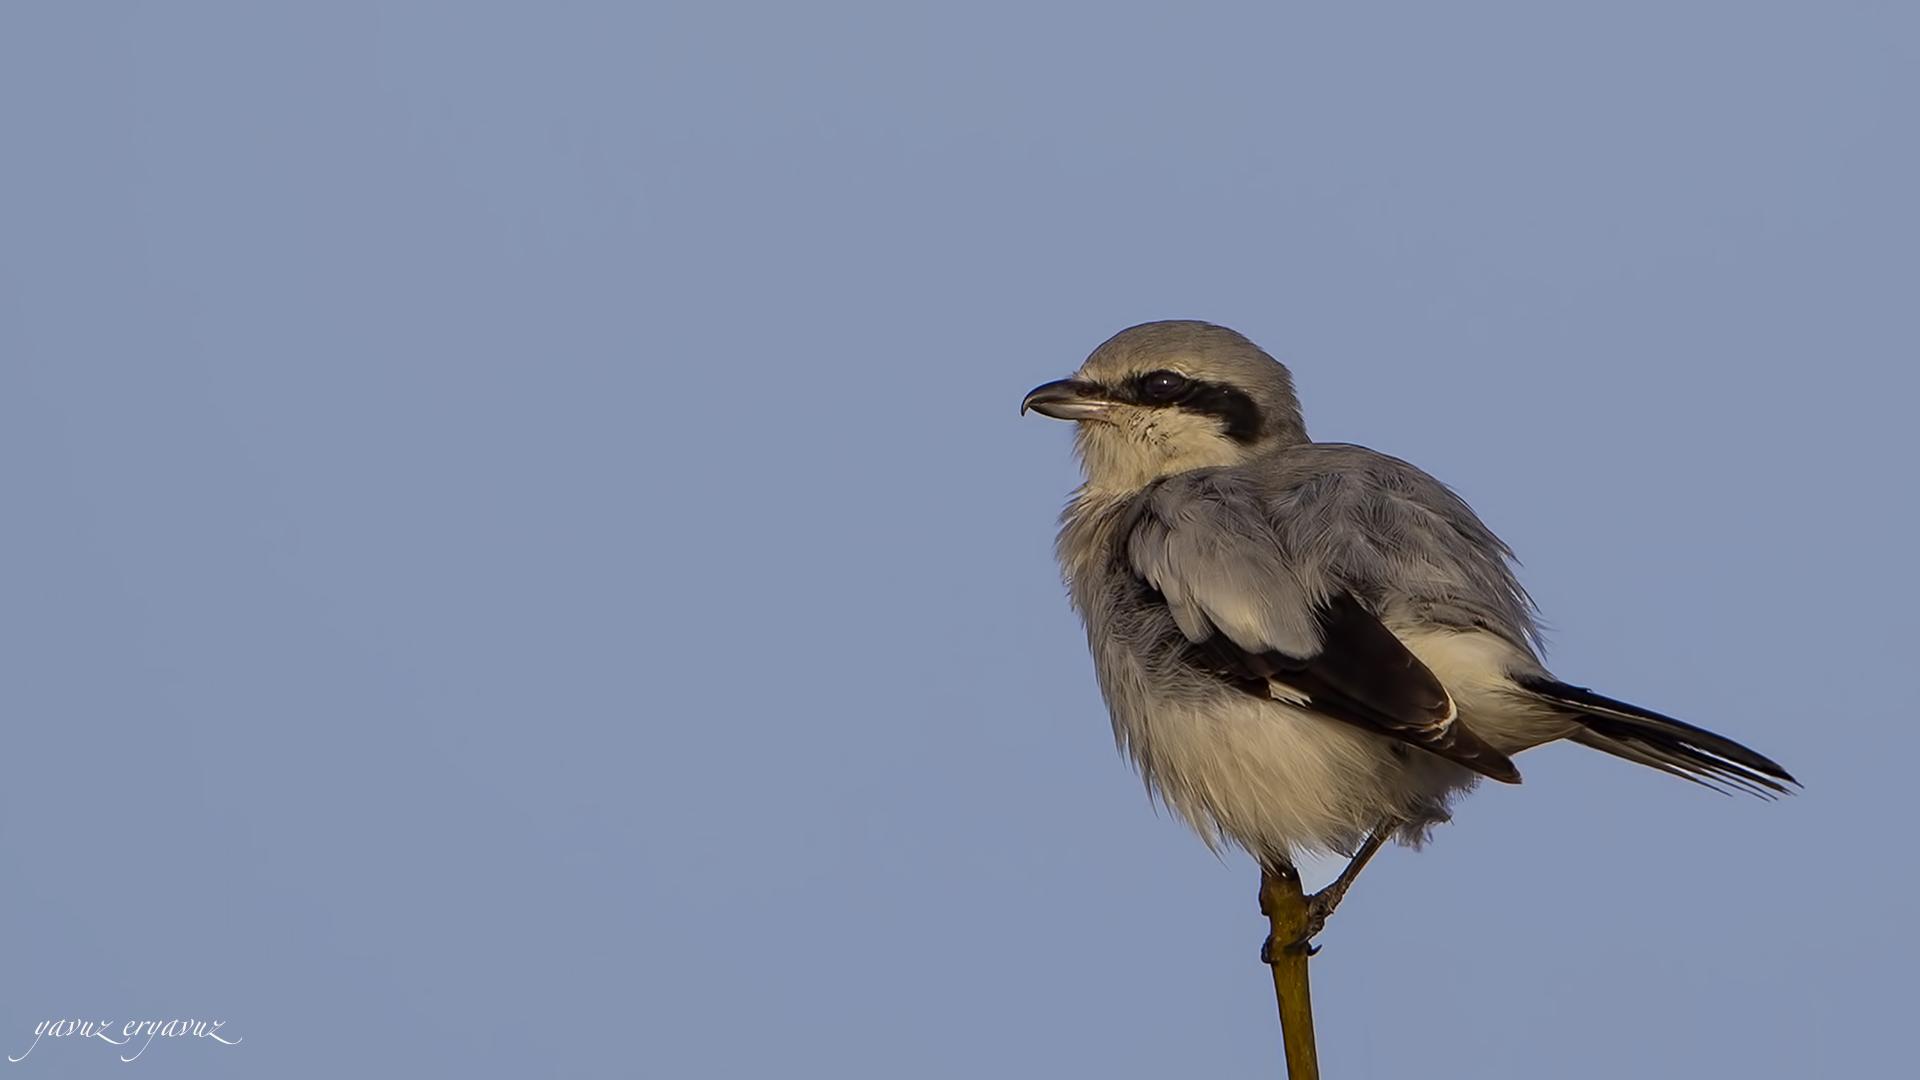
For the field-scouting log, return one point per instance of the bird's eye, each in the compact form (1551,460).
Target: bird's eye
(1162,385)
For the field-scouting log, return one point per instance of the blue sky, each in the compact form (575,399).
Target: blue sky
(522,558)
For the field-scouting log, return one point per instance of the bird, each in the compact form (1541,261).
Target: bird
(1307,648)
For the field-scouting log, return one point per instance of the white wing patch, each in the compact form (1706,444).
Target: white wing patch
(1282,692)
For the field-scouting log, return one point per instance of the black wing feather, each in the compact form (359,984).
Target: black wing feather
(1365,676)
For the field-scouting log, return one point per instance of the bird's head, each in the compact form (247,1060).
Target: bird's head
(1166,397)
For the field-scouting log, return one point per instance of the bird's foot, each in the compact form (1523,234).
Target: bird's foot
(1319,908)
(1281,899)
(1271,953)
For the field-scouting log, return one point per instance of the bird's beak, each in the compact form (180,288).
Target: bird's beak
(1068,399)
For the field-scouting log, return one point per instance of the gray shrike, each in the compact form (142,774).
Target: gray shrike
(1307,647)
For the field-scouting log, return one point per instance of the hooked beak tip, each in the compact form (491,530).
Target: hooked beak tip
(1066,399)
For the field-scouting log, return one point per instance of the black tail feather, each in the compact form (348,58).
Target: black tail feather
(1661,742)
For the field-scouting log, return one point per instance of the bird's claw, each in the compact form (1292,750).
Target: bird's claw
(1319,906)
(1303,946)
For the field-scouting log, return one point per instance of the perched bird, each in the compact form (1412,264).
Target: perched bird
(1307,647)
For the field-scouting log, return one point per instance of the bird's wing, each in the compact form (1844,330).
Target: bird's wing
(1205,543)
(1396,537)
(1412,548)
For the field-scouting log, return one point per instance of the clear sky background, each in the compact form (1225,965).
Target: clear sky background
(521,559)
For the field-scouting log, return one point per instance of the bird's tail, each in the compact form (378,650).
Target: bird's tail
(1661,742)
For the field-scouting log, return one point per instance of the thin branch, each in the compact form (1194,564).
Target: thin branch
(1284,903)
